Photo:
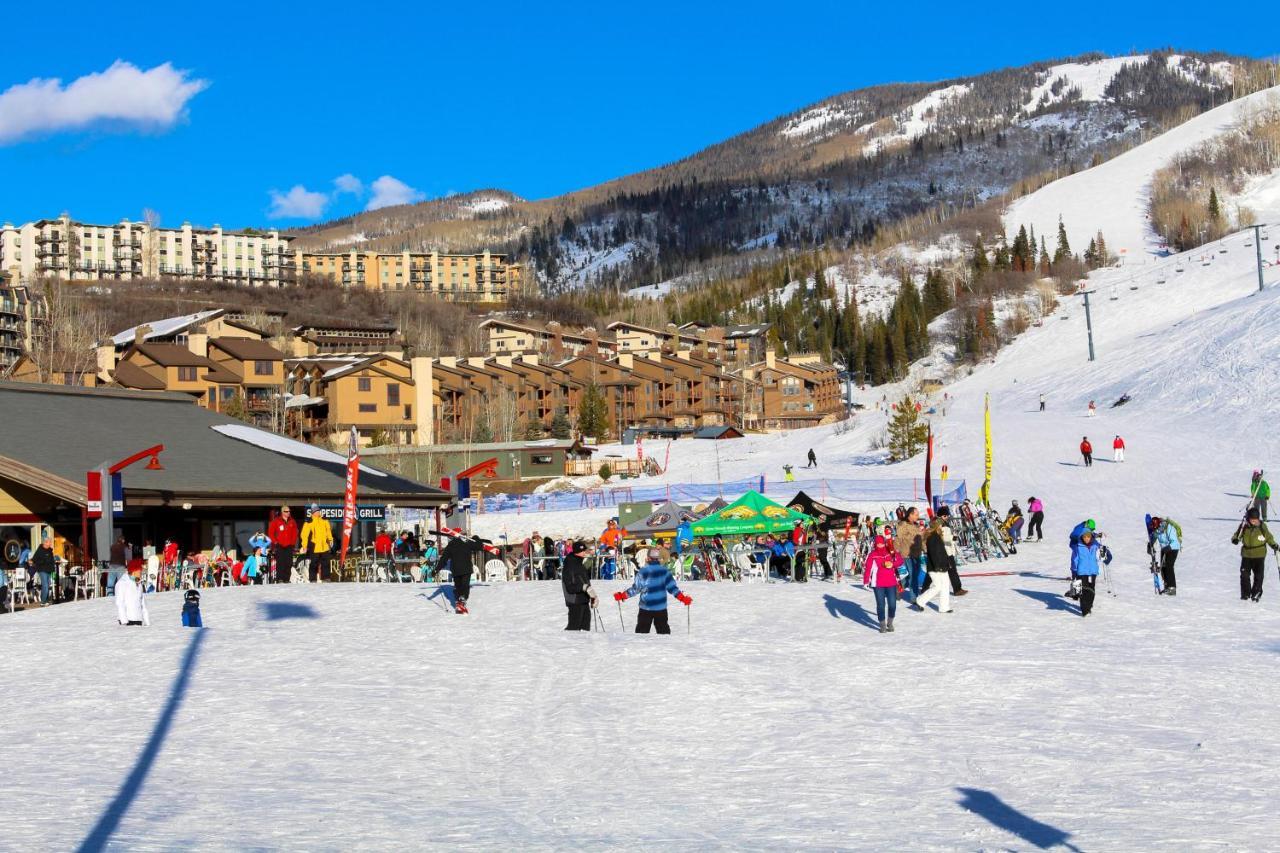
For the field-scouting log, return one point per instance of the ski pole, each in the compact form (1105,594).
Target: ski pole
(688,619)
(621,624)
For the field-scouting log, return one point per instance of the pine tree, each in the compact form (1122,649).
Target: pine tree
(1104,257)
(979,259)
(907,432)
(593,413)
(1215,212)
(1045,263)
(1063,250)
(560,427)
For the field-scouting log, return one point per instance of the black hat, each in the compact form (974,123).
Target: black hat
(1253,513)
(580,546)
(944,512)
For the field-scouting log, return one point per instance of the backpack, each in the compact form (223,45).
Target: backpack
(1178,528)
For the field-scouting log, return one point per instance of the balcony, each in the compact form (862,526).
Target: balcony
(51,237)
(53,251)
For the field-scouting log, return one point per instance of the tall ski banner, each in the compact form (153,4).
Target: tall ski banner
(349,501)
(984,494)
(928,472)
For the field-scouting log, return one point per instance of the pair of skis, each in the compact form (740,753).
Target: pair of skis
(1155,564)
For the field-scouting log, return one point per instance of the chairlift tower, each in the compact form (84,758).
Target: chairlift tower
(1088,319)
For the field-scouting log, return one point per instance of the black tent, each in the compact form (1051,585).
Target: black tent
(829,518)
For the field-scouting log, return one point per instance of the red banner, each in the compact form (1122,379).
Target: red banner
(928,473)
(349,503)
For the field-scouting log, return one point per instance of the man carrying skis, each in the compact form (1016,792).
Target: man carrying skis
(578,595)
(1086,450)
(456,557)
(1117,449)
(1254,538)
(1260,491)
(653,582)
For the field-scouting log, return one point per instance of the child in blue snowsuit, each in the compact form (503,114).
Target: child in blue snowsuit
(1084,562)
(652,584)
(191,610)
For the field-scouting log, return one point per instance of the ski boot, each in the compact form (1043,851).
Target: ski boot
(889,626)
(461,606)
(883,628)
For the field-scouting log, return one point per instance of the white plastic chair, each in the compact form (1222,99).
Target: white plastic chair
(495,570)
(86,583)
(19,583)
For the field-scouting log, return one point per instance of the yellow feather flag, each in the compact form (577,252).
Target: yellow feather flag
(984,494)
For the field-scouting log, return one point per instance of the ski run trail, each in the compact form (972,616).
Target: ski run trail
(340,717)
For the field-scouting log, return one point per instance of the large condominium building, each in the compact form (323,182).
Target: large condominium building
(22,321)
(484,277)
(67,249)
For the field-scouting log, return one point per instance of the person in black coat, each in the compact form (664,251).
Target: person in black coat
(44,564)
(578,595)
(457,558)
(939,565)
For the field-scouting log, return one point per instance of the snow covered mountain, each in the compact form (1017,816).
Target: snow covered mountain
(833,173)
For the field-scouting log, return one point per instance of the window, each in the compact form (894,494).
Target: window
(540,459)
(393,394)
(364,383)
(408,412)
(187,374)
(262,368)
(368,408)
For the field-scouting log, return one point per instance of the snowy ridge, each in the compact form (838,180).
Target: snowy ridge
(1089,79)
(918,119)
(1112,197)
(812,121)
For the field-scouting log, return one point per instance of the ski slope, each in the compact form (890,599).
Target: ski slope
(1112,197)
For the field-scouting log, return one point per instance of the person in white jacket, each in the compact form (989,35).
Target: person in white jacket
(131,607)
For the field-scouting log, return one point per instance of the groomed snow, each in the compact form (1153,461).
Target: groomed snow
(1113,196)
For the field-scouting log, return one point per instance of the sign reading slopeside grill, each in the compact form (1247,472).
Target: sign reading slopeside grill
(333,512)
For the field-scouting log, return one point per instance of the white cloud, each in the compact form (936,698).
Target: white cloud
(348,183)
(297,203)
(388,191)
(123,95)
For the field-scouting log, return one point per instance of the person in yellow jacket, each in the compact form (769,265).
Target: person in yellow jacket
(317,544)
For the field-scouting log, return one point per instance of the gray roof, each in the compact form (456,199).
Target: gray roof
(66,431)
(482,447)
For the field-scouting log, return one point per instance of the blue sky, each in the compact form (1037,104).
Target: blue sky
(220,106)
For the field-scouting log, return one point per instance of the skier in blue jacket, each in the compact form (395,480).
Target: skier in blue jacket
(653,582)
(1084,564)
(1170,545)
(1089,525)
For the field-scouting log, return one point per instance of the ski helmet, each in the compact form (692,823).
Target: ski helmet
(1091,524)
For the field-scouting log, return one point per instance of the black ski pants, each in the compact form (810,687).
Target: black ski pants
(1037,519)
(284,564)
(954,574)
(655,618)
(1251,571)
(319,569)
(1168,557)
(1088,460)
(1088,584)
(826,566)
(462,585)
(579,617)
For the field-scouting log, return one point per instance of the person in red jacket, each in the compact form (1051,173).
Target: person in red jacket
(1117,448)
(382,544)
(284,540)
(1086,450)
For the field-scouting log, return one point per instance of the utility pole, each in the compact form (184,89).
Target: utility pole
(1088,321)
(1257,245)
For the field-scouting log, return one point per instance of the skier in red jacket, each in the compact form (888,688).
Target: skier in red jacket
(1117,448)
(1086,450)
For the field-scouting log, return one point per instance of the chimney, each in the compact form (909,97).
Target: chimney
(476,361)
(198,343)
(769,358)
(448,361)
(683,354)
(529,357)
(626,361)
(140,333)
(423,413)
(106,360)
(504,360)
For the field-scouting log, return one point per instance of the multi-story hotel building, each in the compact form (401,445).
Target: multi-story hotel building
(67,249)
(23,317)
(483,277)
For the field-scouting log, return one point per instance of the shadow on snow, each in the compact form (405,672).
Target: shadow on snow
(838,607)
(1000,814)
(1050,600)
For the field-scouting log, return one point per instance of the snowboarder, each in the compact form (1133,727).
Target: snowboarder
(131,606)
(787,475)
(939,561)
(1088,526)
(1086,450)
(579,597)
(1093,409)
(1042,402)
(1167,535)
(813,459)
(191,610)
(880,572)
(653,582)
(1117,449)
(1036,508)
(1084,565)
(1260,492)
(1254,538)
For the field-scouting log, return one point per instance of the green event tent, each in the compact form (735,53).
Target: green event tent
(750,515)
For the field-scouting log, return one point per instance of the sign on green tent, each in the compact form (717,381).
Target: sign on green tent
(750,515)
